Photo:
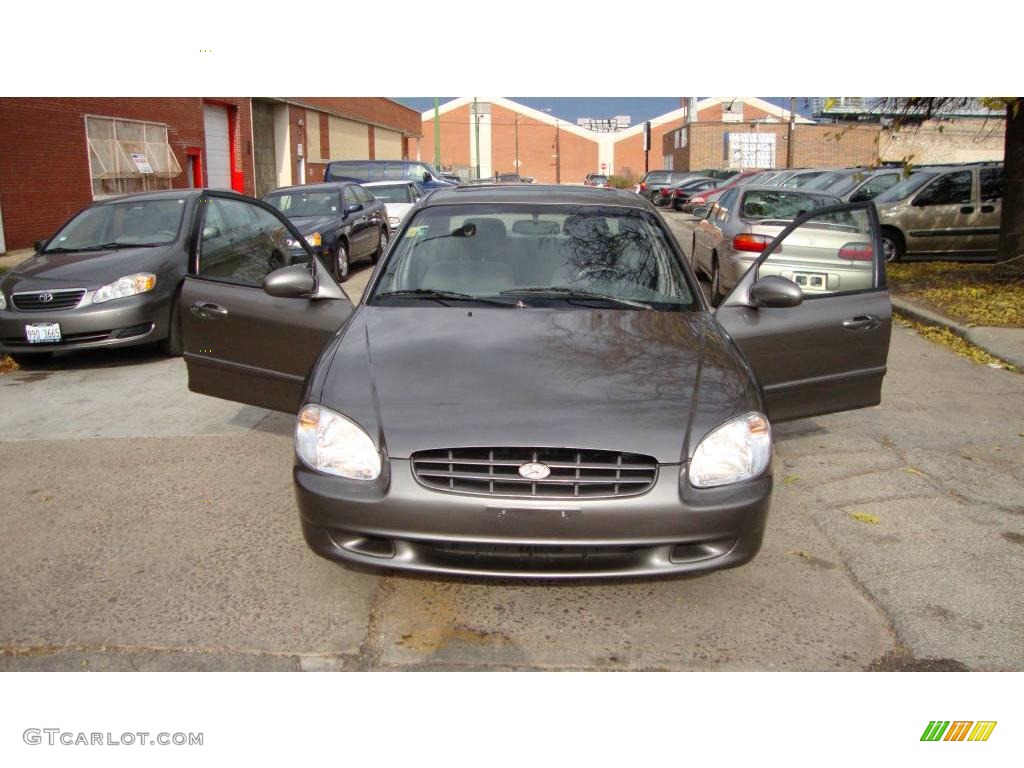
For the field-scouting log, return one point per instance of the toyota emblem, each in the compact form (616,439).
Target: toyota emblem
(46,297)
(534,471)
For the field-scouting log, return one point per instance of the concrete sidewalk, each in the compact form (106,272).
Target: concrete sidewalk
(11,259)
(1005,343)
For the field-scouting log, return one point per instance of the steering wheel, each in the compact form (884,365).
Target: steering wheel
(602,270)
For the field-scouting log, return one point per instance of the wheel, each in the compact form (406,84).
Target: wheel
(341,265)
(31,359)
(654,198)
(716,283)
(893,246)
(382,243)
(172,345)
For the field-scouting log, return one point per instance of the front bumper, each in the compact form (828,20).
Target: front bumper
(398,523)
(123,322)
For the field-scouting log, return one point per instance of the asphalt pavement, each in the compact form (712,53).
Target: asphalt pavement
(147,527)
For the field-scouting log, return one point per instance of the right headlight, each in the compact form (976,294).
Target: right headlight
(328,442)
(740,449)
(3,301)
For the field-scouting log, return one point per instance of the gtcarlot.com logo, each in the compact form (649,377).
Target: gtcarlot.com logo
(55,736)
(958,730)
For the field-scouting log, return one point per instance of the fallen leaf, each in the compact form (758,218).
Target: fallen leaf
(789,479)
(914,471)
(801,553)
(864,517)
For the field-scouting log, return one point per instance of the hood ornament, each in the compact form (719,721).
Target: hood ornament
(534,470)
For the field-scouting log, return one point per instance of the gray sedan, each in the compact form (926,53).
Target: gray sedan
(534,385)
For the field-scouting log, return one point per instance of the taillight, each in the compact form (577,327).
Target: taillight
(643,186)
(750,243)
(857,252)
(665,192)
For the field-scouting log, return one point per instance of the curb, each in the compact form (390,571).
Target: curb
(969,334)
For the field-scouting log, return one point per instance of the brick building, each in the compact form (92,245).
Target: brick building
(552,149)
(59,154)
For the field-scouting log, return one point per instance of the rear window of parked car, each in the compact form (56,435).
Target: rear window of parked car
(783,205)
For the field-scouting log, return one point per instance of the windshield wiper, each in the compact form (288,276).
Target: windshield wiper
(574,293)
(102,247)
(440,296)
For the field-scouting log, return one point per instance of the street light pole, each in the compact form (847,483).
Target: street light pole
(437,135)
(558,153)
(516,120)
(476,114)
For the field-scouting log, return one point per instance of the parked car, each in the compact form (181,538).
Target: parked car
(793,177)
(341,221)
(708,196)
(534,387)
(687,189)
(398,197)
(110,276)
(856,184)
(654,181)
(596,180)
(943,211)
(362,171)
(728,238)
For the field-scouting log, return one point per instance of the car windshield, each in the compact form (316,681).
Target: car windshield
(392,193)
(599,178)
(907,187)
(782,204)
(121,225)
(537,255)
(298,204)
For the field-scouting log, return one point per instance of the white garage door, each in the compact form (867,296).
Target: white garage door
(218,154)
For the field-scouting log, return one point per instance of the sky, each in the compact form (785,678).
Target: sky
(638,108)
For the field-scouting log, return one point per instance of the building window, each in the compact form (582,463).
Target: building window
(128,156)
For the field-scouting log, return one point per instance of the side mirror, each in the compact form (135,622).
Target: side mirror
(40,244)
(776,292)
(353,208)
(426,177)
(294,282)
(209,233)
(702,212)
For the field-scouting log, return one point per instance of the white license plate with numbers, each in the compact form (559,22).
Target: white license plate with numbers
(40,333)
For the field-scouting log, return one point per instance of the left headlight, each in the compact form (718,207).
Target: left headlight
(328,442)
(129,285)
(3,301)
(740,449)
(314,239)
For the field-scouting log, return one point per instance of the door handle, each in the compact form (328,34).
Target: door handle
(861,323)
(987,208)
(208,311)
(967,209)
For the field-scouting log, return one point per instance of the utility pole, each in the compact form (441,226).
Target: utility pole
(476,115)
(437,135)
(516,119)
(558,153)
(792,126)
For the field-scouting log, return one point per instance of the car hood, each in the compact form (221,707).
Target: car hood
(309,224)
(421,378)
(89,269)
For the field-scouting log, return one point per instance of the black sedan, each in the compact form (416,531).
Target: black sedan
(535,386)
(110,276)
(340,221)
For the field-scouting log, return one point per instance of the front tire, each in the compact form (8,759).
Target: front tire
(716,282)
(172,346)
(341,261)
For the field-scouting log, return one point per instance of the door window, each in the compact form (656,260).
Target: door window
(875,186)
(362,195)
(991,184)
(828,254)
(951,189)
(348,197)
(241,243)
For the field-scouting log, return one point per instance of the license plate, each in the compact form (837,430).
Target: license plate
(813,280)
(40,333)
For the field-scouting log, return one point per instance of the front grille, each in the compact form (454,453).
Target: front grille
(546,552)
(574,473)
(61,298)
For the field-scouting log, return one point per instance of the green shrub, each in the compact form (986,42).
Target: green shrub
(621,182)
